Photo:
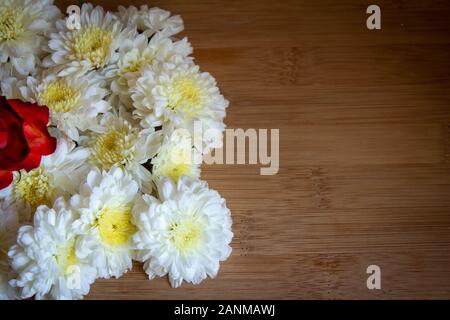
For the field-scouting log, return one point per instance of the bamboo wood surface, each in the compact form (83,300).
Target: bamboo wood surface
(364,119)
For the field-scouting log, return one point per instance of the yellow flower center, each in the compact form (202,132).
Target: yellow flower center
(93,44)
(134,59)
(58,96)
(132,63)
(174,165)
(114,225)
(11,23)
(186,235)
(34,188)
(176,170)
(66,258)
(186,95)
(133,66)
(112,148)
(175,159)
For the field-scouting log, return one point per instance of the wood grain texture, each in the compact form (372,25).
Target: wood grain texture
(364,119)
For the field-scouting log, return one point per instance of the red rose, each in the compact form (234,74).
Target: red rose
(24,137)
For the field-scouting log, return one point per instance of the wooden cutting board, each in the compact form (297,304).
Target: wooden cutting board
(364,119)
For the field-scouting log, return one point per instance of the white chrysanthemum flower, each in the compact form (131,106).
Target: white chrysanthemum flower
(154,20)
(74,102)
(176,157)
(177,95)
(129,16)
(9,223)
(151,20)
(105,225)
(185,234)
(139,52)
(23,24)
(10,87)
(93,47)
(123,145)
(59,174)
(49,258)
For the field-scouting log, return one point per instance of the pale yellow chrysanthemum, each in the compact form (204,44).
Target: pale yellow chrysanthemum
(185,233)
(58,175)
(136,53)
(105,224)
(74,102)
(93,47)
(120,144)
(23,24)
(177,95)
(151,20)
(49,259)
(176,157)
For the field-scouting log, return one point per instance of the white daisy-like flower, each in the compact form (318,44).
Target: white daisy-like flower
(121,144)
(177,95)
(49,258)
(151,20)
(9,223)
(93,47)
(139,52)
(184,234)
(105,225)
(176,157)
(74,102)
(23,24)
(129,16)
(154,20)
(10,87)
(59,174)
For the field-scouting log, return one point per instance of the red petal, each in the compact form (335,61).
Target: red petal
(30,112)
(6,177)
(13,145)
(24,135)
(4,135)
(14,149)
(7,115)
(32,161)
(39,140)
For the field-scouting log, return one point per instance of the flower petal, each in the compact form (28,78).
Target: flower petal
(6,177)
(13,145)
(3,139)
(30,112)
(29,163)
(39,140)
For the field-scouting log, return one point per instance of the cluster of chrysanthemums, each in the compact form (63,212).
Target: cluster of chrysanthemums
(96,166)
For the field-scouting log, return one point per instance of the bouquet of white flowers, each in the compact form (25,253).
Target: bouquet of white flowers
(97,160)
